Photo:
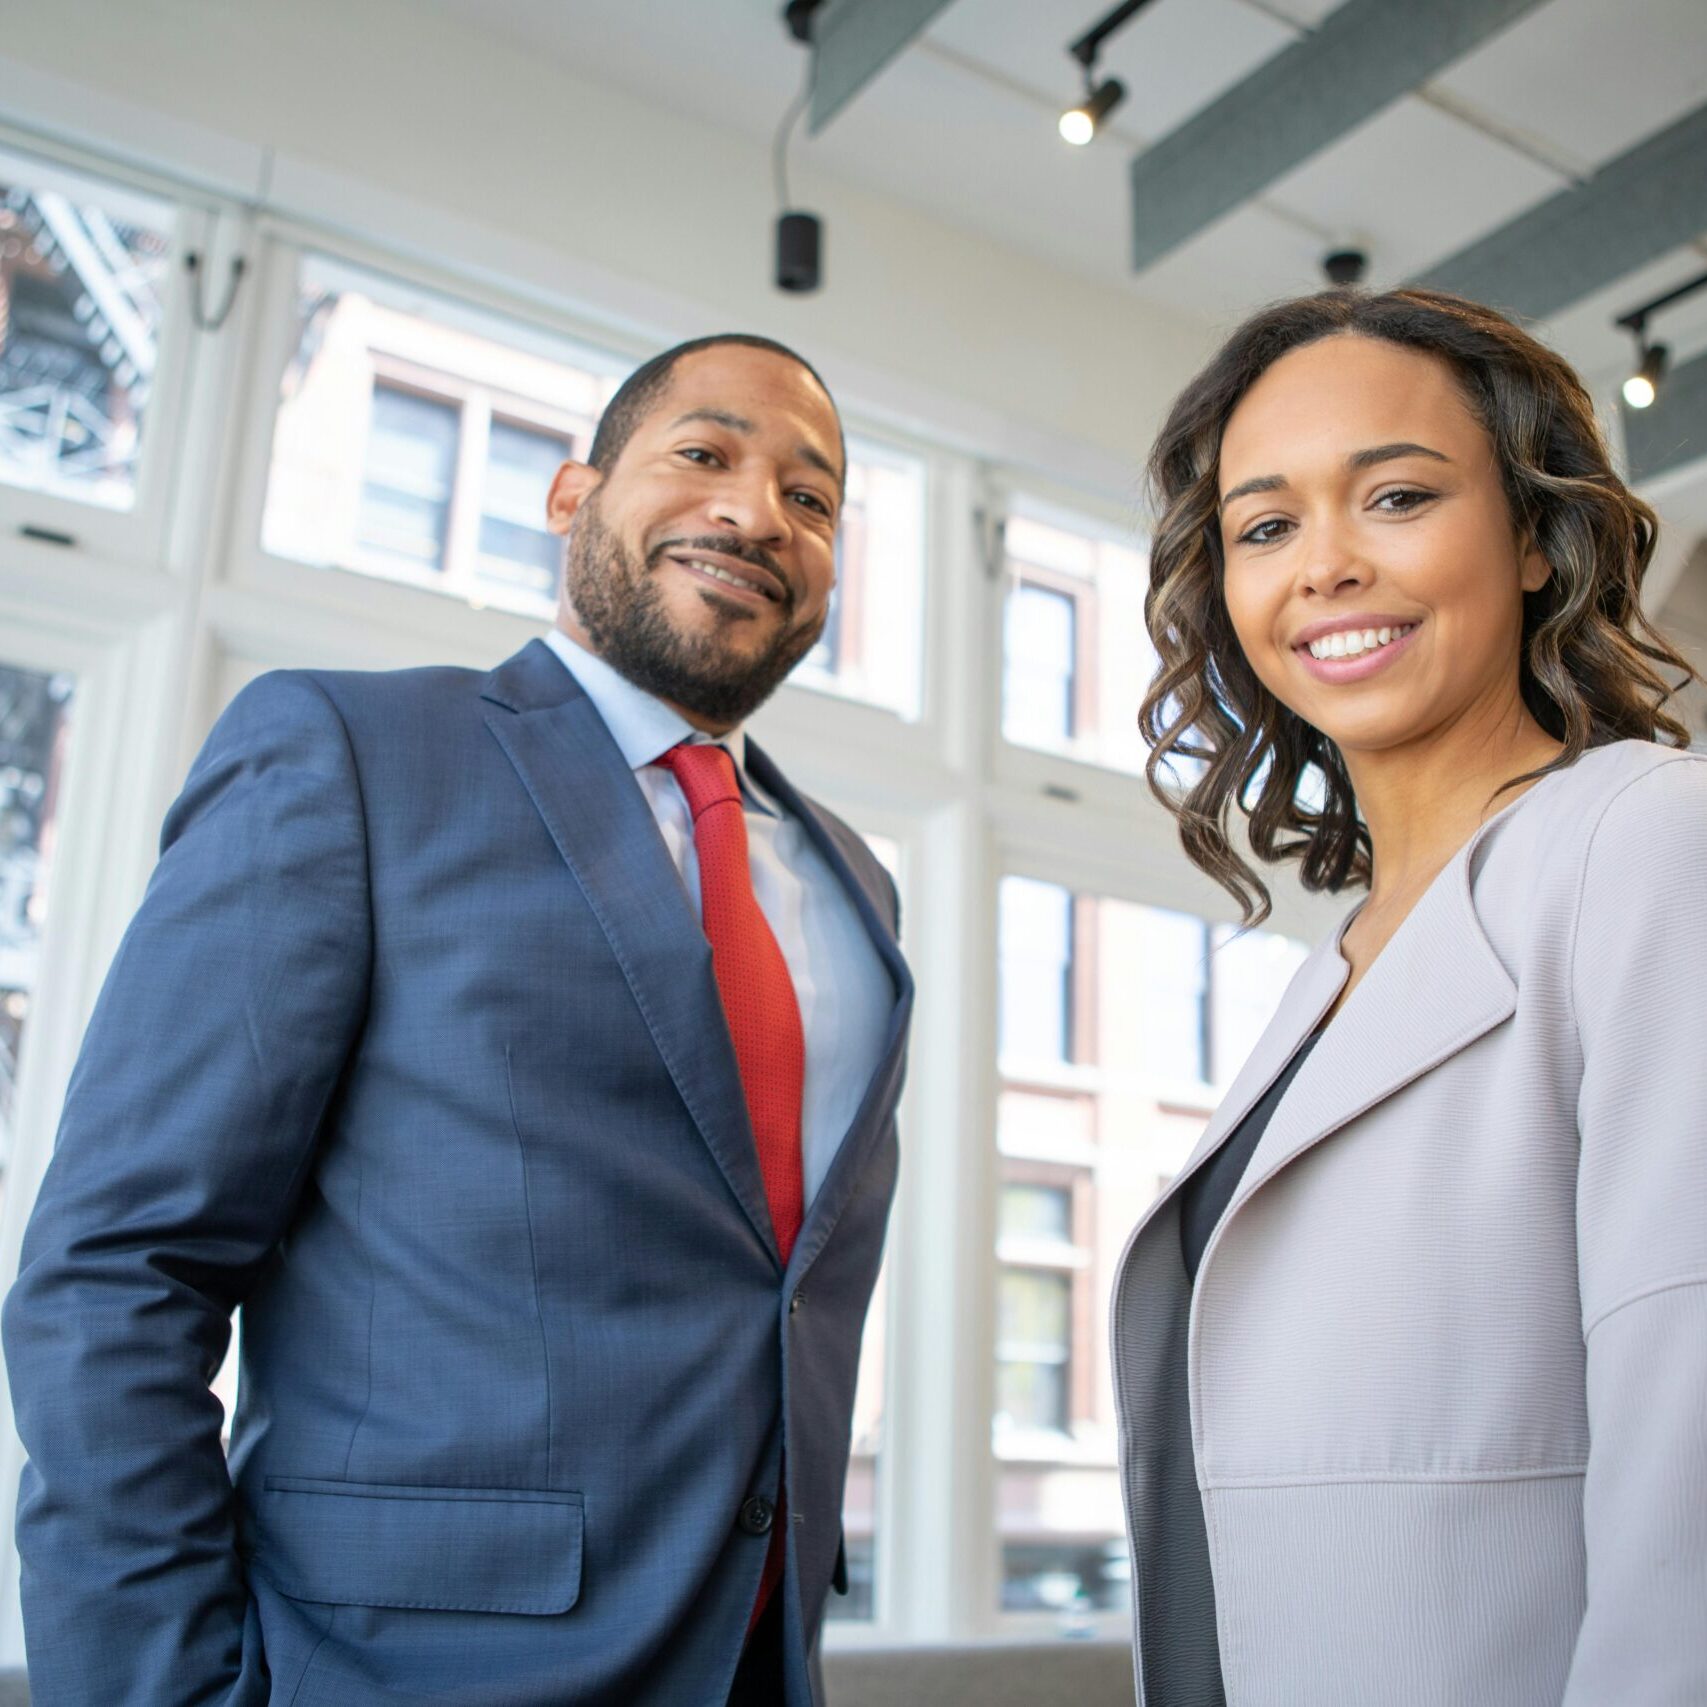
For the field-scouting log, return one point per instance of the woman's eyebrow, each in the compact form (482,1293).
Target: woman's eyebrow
(1262,483)
(1359,459)
(1389,453)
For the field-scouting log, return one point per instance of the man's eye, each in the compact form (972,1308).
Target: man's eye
(813,501)
(1264,533)
(699,454)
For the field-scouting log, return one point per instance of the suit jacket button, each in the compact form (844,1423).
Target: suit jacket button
(795,1302)
(757,1515)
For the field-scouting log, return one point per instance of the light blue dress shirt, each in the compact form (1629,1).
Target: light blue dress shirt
(845,992)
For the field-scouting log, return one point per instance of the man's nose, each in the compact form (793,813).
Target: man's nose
(754,507)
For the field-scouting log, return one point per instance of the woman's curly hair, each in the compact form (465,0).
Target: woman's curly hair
(1591,662)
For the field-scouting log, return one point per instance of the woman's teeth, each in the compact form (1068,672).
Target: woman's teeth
(1353,642)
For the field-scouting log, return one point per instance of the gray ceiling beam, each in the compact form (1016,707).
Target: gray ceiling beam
(852,41)
(1672,430)
(1364,57)
(1648,201)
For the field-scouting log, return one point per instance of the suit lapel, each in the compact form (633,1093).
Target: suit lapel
(1435,988)
(597,815)
(849,1164)
(1307,998)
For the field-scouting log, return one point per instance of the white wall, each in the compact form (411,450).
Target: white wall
(385,115)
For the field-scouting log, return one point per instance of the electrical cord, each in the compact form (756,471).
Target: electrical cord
(779,148)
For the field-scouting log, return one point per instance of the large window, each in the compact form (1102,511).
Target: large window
(416,439)
(1120,1026)
(82,271)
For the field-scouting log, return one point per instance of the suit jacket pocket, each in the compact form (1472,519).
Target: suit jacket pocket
(437,1549)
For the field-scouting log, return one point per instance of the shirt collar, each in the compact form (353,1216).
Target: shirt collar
(643,726)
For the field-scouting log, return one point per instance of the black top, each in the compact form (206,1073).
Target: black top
(1205,1196)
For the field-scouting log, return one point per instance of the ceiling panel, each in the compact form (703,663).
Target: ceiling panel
(1249,257)
(1412,185)
(731,63)
(1588,77)
(1308,13)
(962,126)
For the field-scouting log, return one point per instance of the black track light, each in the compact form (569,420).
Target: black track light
(1345,267)
(799,251)
(1641,388)
(1080,124)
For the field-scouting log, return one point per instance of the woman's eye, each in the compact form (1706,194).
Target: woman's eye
(698,453)
(1400,500)
(1263,533)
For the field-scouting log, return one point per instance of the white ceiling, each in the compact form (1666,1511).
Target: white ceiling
(962,125)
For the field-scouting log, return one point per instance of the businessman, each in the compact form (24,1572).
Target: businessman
(521,1054)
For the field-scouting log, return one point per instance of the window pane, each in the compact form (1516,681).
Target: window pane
(416,438)
(1036,970)
(1033,1350)
(1036,1212)
(517,550)
(1252,970)
(1168,1005)
(870,647)
(1173,1020)
(82,269)
(1030,1395)
(1076,659)
(34,730)
(1040,675)
(411,467)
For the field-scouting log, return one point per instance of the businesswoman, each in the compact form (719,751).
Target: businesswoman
(1412,1358)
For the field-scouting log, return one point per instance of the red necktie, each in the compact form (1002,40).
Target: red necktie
(759,1004)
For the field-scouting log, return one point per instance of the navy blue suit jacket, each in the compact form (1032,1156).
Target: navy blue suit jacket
(414,1052)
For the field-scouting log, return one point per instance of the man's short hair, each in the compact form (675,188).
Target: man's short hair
(640,393)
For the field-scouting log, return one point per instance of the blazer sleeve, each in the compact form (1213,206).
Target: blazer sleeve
(188,1130)
(1639,980)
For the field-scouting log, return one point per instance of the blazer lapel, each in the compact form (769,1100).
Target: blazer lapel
(1307,998)
(1432,991)
(597,815)
(849,1164)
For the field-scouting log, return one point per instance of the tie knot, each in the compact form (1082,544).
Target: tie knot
(705,772)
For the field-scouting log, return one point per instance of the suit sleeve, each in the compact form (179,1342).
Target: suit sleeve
(1640,990)
(188,1130)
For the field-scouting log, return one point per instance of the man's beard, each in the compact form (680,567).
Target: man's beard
(622,608)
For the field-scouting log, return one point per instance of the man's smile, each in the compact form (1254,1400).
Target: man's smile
(732,574)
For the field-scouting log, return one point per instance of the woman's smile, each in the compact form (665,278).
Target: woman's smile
(1355,652)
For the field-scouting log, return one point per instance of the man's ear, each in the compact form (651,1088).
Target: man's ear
(571,486)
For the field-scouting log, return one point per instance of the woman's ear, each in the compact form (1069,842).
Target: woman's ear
(1534,571)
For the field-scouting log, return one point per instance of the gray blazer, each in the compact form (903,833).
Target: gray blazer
(1444,1371)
